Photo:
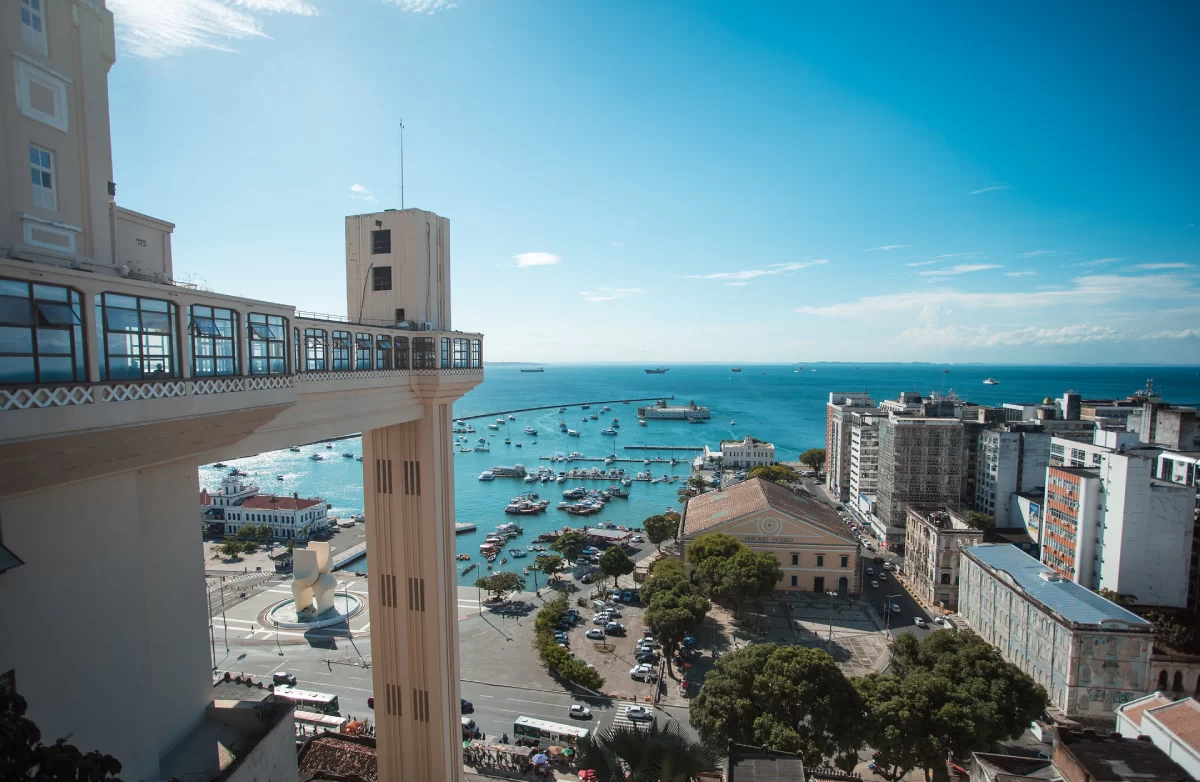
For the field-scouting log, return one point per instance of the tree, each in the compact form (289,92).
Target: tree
(616,563)
(665,576)
(776,473)
(569,544)
(787,698)
(23,756)
(626,754)
(231,548)
(980,521)
(903,727)
(698,482)
(550,564)
(560,662)
(1119,598)
(1169,631)
(714,544)
(660,527)
(500,584)
(744,576)
(671,616)
(814,458)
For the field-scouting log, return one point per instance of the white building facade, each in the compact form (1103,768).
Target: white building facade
(932,546)
(749,452)
(864,461)
(1009,461)
(290,518)
(842,405)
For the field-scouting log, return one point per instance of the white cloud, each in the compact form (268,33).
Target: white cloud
(1161,266)
(1034,253)
(737,284)
(360,193)
(989,337)
(428,7)
(536,259)
(962,268)
(988,189)
(749,274)
(609,294)
(618,244)
(887,247)
(1020,274)
(163,28)
(1100,262)
(922,263)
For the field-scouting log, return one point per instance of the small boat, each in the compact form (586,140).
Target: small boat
(517,553)
(470,567)
(222,465)
(465,449)
(294,449)
(529,430)
(316,457)
(562,409)
(512,417)
(279,477)
(347,455)
(539,369)
(733,423)
(608,430)
(526,571)
(991,381)
(329,445)
(463,526)
(507,441)
(499,420)
(594,417)
(487,475)
(736,369)
(494,427)
(584,419)
(531,478)
(463,557)
(585,407)
(658,371)
(572,433)
(517,444)
(641,422)
(358,458)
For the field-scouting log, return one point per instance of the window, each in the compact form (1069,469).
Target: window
(137,337)
(401,352)
(314,350)
(845,561)
(383,352)
(41,334)
(424,355)
(33,25)
(41,170)
(445,352)
(340,350)
(819,584)
(399,314)
(214,341)
(476,353)
(461,347)
(795,581)
(268,344)
(795,559)
(362,350)
(381,242)
(820,560)
(41,95)
(946,579)
(381,278)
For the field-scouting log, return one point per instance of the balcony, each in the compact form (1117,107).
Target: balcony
(100,374)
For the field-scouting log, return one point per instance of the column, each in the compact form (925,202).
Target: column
(408,486)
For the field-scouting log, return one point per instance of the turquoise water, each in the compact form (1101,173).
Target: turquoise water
(773,403)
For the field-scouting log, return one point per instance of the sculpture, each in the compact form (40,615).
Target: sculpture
(311,578)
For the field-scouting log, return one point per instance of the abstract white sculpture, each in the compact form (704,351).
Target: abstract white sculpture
(311,578)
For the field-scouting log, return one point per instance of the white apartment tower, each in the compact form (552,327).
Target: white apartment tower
(1010,459)
(864,460)
(116,383)
(842,405)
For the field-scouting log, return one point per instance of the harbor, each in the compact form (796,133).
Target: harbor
(562,406)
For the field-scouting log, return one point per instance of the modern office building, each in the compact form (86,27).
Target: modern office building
(920,466)
(1011,458)
(116,382)
(1089,654)
(933,543)
(814,549)
(842,405)
(864,460)
(747,452)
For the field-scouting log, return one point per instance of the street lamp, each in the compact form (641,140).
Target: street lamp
(829,642)
(888,612)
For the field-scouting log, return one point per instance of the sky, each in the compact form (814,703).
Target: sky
(694,181)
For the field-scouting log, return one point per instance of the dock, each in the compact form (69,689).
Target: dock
(663,447)
(349,555)
(500,413)
(618,459)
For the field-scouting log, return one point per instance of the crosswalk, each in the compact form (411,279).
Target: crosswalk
(621,721)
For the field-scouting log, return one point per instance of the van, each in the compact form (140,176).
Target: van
(469,728)
(599,605)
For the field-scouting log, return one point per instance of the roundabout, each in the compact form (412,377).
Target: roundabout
(283,614)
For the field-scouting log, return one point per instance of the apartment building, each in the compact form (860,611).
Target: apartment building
(1091,655)
(1069,535)
(933,543)
(1011,458)
(920,466)
(116,383)
(838,412)
(864,460)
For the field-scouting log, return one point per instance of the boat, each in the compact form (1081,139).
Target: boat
(504,561)
(222,465)
(736,369)
(531,478)
(463,557)
(484,446)
(641,422)
(316,457)
(585,407)
(517,553)
(487,475)
(499,420)
(594,417)
(507,441)
(695,420)
(572,433)
(539,369)
(946,370)
(494,427)
(294,449)
(991,381)
(657,371)
(347,455)
(561,479)
(512,417)
(626,482)
(517,444)
(562,409)
(470,567)
(733,423)
(526,571)
(358,458)
(328,445)
(465,449)
(609,430)
(529,430)
(463,526)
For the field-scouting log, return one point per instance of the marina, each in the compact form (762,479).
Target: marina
(562,408)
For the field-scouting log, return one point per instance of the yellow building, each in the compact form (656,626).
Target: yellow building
(815,550)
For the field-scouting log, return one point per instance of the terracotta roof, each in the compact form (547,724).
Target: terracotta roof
(1181,718)
(718,507)
(281,503)
(1133,711)
(204,498)
(334,756)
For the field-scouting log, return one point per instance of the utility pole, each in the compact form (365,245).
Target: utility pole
(223,615)
(401,163)
(211,630)
(829,641)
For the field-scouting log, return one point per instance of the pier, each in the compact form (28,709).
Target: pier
(663,447)
(349,555)
(555,407)
(657,459)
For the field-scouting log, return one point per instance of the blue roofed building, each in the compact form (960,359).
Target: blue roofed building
(1089,653)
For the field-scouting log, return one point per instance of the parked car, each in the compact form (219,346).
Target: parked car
(600,618)
(564,625)
(579,712)
(627,596)
(638,713)
(875,585)
(919,621)
(643,672)
(283,677)
(370,701)
(647,632)
(895,608)
(870,571)
(614,612)
(596,634)
(467,706)
(647,656)
(938,620)
(614,628)
(638,539)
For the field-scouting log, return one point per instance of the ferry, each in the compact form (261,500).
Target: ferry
(991,381)
(658,371)
(487,475)
(463,526)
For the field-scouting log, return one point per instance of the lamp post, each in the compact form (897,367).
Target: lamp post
(829,641)
(888,612)
(226,624)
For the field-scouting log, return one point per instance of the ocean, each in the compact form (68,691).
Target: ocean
(771,402)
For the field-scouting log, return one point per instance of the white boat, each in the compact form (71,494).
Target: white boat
(316,457)
(609,430)
(641,422)
(512,417)
(499,420)
(482,447)
(572,433)
(531,479)
(463,526)
(561,479)
(464,449)
(733,423)
(529,430)
(487,475)
(293,449)
(991,381)
(494,427)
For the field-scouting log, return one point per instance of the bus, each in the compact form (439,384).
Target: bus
(530,728)
(307,700)
(321,721)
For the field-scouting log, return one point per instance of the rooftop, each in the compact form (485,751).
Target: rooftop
(717,507)
(1009,768)
(279,503)
(1181,718)
(1075,603)
(1133,710)
(1082,472)
(608,534)
(334,756)
(229,733)
(1116,759)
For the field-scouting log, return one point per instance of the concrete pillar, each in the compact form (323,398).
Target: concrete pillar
(408,486)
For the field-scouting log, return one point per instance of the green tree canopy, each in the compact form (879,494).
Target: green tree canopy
(629,754)
(744,576)
(714,544)
(230,548)
(666,575)
(788,698)
(661,527)
(550,564)
(672,615)
(616,563)
(570,544)
(1119,598)
(561,663)
(980,521)
(814,458)
(500,584)
(23,756)
(777,473)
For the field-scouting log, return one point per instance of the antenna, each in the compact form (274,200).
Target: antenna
(402,163)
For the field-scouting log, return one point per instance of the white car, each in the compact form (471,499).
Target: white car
(596,634)
(920,622)
(638,713)
(600,619)
(580,712)
(643,672)
(638,539)
(938,620)
(870,571)
(874,585)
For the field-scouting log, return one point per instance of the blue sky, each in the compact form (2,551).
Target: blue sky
(689,181)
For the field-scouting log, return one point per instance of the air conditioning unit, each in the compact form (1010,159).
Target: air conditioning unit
(427,326)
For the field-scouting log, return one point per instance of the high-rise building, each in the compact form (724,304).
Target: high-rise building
(864,460)
(920,466)
(838,412)
(1012,458)
(116,382)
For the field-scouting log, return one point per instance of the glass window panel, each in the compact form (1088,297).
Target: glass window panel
(56,369)
(201,312)
(204,366)
(384,343)
(203,347)
(16,369)
(58,314)
(15,340)
(49,293)
(54,342)
(158,322)
(258,366)
(205,327)
(225,366)
(154,305)
(124,368)
(224,347)
(36,175)
(47,180)
(364,343)
(122,320)
(16,312)
(45,158)
(115,300)
(221,314)
(121,344)
(259,331)
(277,367)
(14,288)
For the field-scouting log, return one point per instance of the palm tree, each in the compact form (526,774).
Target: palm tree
(649,754)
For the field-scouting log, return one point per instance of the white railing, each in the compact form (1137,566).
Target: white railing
(46,396)
(133,392)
